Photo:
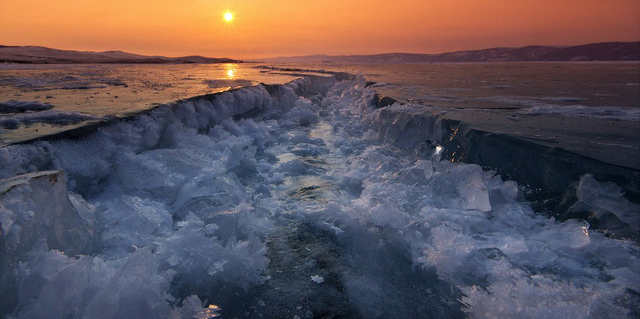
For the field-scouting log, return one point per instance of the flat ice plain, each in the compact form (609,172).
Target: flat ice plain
(299,200)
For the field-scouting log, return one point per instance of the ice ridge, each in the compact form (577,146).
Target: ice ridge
(298,200)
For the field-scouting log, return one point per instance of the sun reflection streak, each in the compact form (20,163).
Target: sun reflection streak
(230,71)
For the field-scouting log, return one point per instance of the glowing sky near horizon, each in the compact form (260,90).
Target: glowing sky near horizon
(294,27)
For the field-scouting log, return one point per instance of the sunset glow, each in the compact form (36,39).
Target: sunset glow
(319,159)
(287,27)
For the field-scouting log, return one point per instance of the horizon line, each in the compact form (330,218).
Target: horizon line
(322,54)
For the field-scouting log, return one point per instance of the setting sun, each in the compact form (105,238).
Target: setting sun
(228,16)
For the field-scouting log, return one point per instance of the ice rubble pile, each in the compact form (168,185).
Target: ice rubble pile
(180,199)
(168,217)
(474,228)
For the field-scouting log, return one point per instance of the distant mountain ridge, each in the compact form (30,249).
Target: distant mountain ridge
(606,51)
(42,55)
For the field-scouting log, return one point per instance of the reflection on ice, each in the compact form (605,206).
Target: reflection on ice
(230,70)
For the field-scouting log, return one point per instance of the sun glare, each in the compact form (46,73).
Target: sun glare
(230,70)
(228,16)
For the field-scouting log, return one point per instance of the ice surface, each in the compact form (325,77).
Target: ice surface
(305,187)
(61,80)
(607,113)
(232,83)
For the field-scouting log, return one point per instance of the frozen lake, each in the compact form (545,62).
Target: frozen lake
(309,197)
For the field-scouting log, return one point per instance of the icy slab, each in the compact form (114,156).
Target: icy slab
(606,204)
(35,207)
(302,113)
(469,188)
(37,212)
(149,219)
(208,194)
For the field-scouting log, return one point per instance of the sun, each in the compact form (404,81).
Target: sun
(228,16)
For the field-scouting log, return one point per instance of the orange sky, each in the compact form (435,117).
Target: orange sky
(267,28)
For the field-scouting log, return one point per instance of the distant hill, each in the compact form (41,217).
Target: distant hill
(612,51)
(608,51)
(42,55)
